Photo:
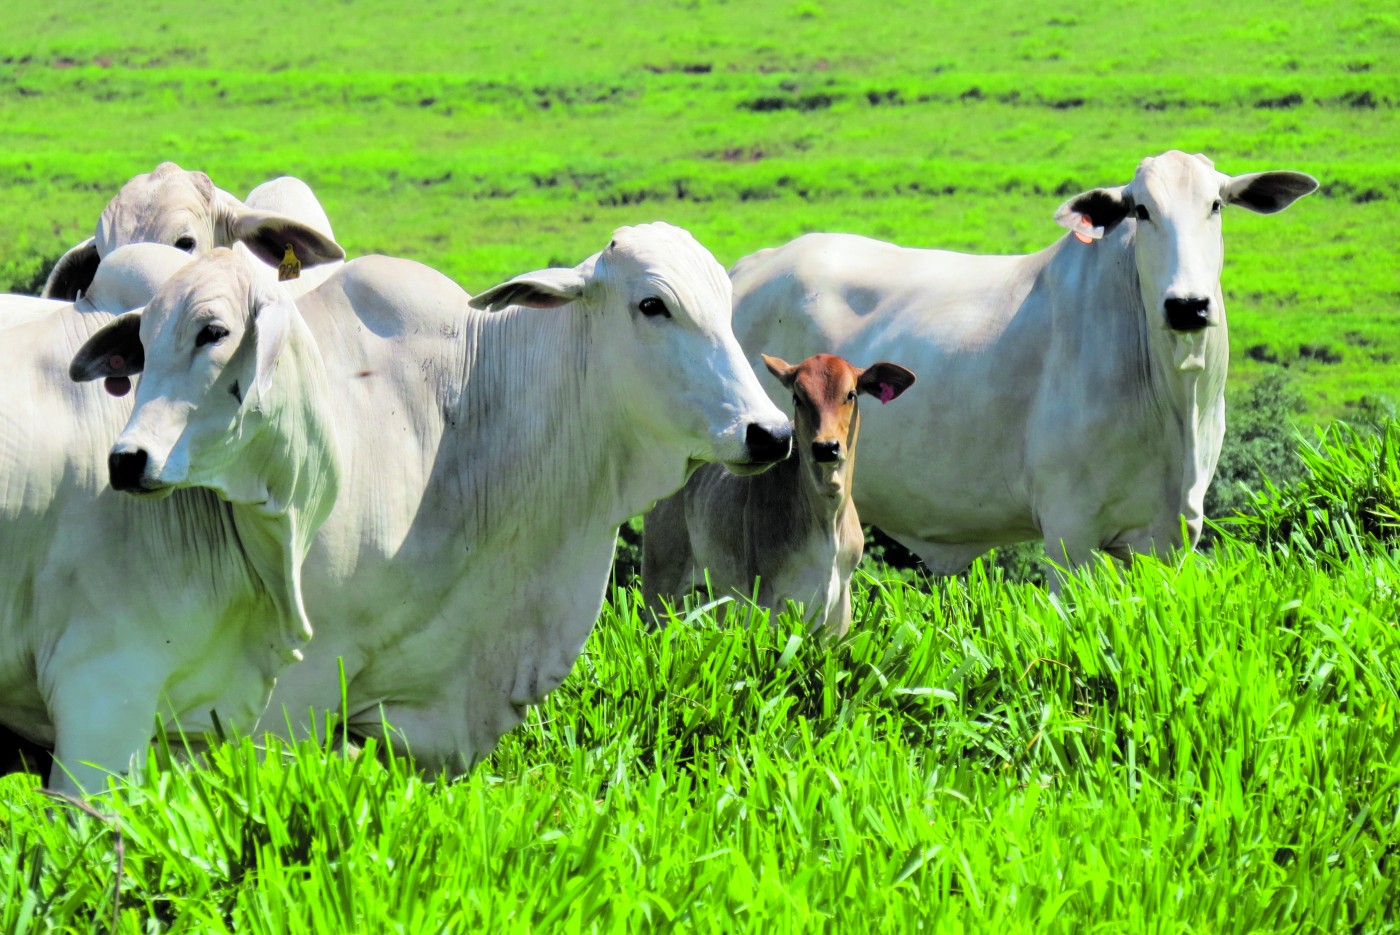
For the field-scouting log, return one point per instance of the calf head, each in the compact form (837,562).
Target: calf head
(826,412)
(1174,202)
(185,210)
(657,306)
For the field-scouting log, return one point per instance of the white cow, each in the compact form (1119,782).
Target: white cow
(1075,394)
(186,210)
(490,459)
(116,611)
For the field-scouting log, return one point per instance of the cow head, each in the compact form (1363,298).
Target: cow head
(185,210)
(1174,202)
(826,414)
(207,413)
(658,308)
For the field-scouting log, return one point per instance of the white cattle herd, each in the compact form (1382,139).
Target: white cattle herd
(364,490)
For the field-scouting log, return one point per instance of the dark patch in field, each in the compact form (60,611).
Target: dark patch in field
(1369,195)
(803,103)
(1068,103)
(1382,357)
(883,98)
(1292,99)
(427,102)
(1261,353)
(971,94)
(1357,339)
(685,68)
(1320,353)
(1364,99)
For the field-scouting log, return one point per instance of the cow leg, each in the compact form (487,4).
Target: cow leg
(103,711)
(1066,548)
(667,557)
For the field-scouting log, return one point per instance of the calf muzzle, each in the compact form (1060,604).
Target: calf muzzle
(826,452)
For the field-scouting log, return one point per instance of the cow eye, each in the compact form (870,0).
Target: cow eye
(652,307)
(186,244)
(851,396)
(1215,208)
(1141,212)
(210,334)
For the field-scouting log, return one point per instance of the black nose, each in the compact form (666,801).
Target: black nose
(826,452)
(1189,314)
(125,469)
(768,443)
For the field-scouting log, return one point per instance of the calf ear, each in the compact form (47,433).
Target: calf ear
(784,371)
(73,272)
(269,234)
(1093,213)
(1267,192)
(114,351)
(885,381)
(546,288)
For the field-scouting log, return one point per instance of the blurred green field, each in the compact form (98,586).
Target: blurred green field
(490,139)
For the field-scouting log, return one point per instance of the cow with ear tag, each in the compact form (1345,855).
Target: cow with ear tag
(794,528)
(119,611)
(1075,394)
(187,211)
(492,447)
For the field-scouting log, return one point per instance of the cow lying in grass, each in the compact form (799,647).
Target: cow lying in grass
(794,528)
(489,460)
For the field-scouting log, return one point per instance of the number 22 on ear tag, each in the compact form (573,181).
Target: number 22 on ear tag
(290,267)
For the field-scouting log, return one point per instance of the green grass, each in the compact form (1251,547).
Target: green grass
(507,136)
(1205,745)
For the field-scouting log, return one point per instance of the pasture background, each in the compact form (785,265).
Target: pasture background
(488,139)
(1208,745)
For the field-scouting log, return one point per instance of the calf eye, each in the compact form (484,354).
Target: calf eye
(210,334)
(1215,208)
(652,306)
(186,244)
(851,396)
(1141,212)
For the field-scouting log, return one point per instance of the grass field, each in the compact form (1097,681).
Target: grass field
(493,138)
(1206,745)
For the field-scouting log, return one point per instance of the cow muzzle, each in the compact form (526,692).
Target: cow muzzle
(1187,314)
(127,470)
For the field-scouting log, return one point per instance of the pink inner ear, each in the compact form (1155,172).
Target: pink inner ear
(886,392)
(1087,223)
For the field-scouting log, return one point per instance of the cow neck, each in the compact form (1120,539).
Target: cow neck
(539,441)
(296,453)
(1127,358)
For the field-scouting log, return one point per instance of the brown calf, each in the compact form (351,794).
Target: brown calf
(794,528)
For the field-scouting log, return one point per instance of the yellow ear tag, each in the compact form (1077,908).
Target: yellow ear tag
(291,266)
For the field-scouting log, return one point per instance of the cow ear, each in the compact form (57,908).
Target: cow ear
(269,234)
(545,288)
(784,371)
(272,328)
(114,351)
(1094,212)
(885,381)
(73,273)
(1267,192)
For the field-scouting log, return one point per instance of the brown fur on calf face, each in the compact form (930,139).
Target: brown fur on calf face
(826,419)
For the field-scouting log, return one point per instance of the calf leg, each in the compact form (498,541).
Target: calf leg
(667,557)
